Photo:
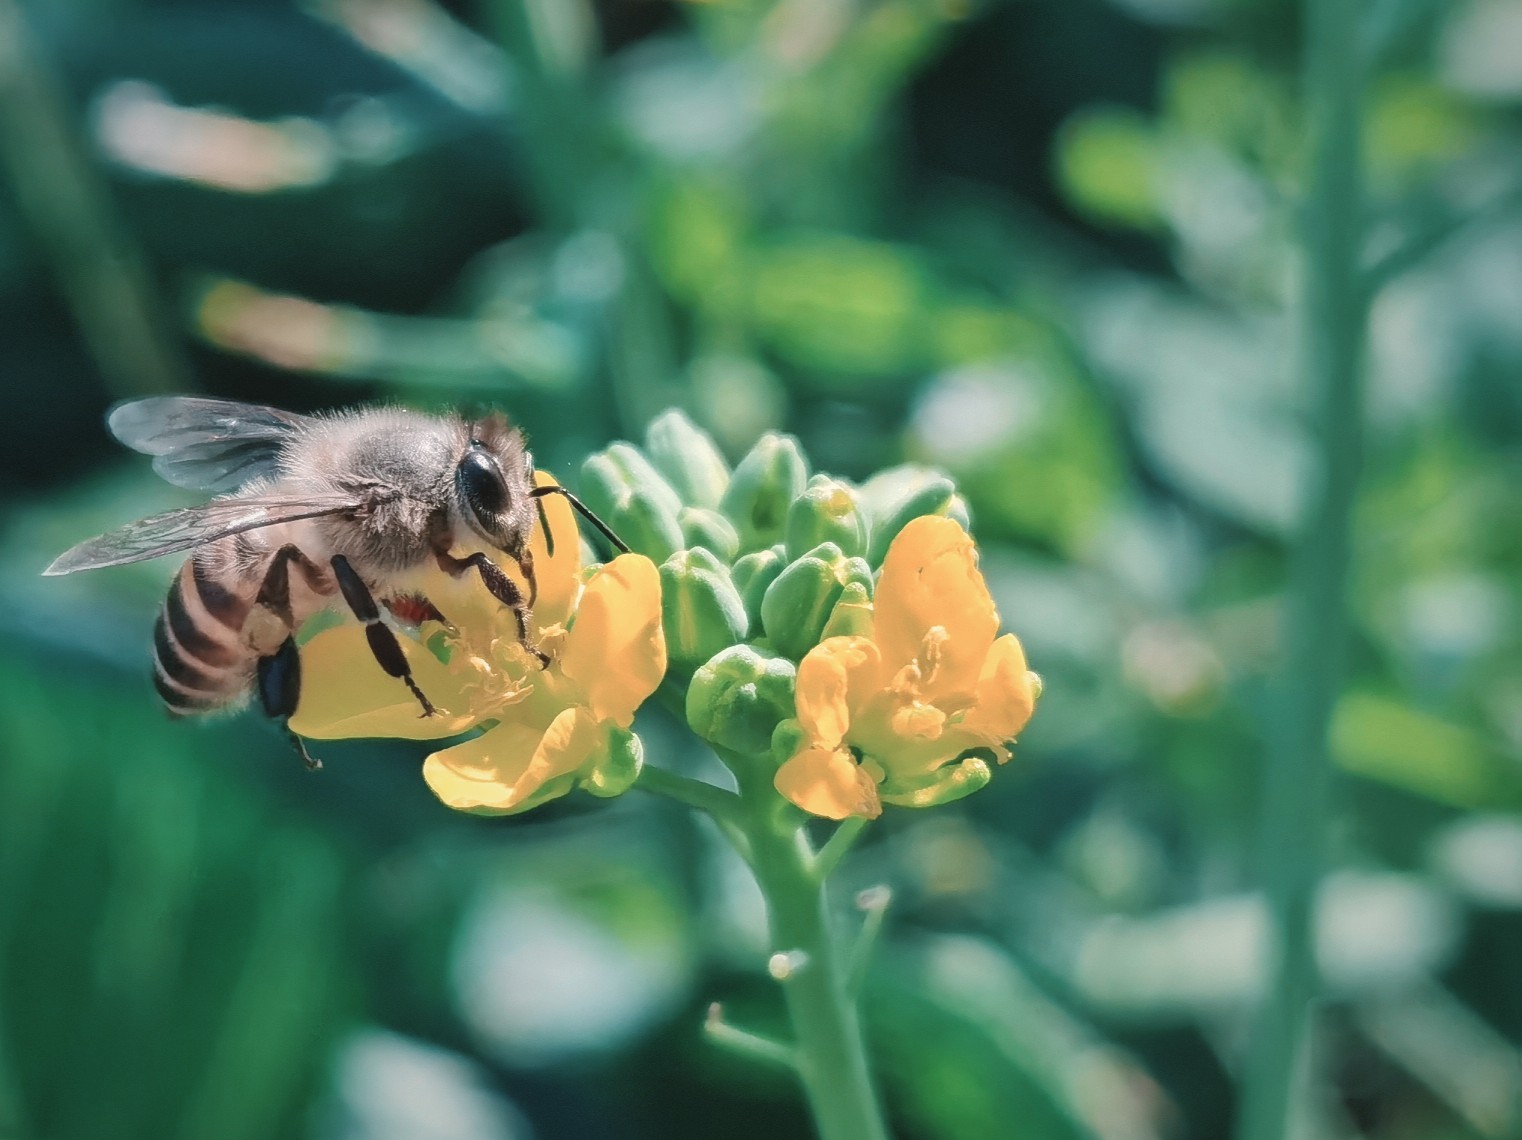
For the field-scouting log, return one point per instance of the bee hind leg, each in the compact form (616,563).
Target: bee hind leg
(279,673)
(383,643)
(279,677)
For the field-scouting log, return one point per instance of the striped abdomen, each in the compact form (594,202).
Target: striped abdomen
(200,661)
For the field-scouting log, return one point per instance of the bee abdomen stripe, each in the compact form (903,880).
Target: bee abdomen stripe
(191,638)
(183,670)
(215,598)
(179,701)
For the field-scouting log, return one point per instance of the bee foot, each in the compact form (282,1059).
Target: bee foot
(428,709)
(311,762)
(544,658)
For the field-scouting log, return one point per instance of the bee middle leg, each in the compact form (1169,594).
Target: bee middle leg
(383,643)
(501,587)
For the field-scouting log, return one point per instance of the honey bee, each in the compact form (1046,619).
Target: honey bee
(354,508)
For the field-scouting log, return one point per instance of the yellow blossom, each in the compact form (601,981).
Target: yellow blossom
(546,729)
(882,717)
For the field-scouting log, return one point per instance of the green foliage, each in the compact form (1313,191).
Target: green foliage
(1045,250)
(154,922)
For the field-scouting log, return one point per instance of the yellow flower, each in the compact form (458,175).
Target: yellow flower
(546,730)
(882,717)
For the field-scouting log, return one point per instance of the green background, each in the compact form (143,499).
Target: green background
(1047,246)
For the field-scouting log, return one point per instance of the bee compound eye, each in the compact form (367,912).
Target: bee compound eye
(481,483)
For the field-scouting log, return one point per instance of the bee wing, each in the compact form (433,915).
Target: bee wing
(195,526)
(205,444)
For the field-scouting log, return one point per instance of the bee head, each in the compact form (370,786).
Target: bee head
(491,484)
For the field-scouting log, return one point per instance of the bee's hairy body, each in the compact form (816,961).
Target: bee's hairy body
(213,629)
(354,509)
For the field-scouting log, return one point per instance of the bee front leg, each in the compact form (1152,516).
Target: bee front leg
(526,565)
(383,643)
(501,587)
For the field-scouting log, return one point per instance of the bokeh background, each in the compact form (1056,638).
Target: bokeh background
(1046,245)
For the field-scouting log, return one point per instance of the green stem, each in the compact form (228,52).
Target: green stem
(1297,780)
(746,1043)
(717,802)
(723,806)
(1429,239)
(873,903)
(836,846)
(60,194)
(830,1052)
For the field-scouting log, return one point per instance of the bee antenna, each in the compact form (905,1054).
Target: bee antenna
(581,508)
(544,525)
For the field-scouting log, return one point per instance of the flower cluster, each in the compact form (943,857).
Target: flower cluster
(839,636)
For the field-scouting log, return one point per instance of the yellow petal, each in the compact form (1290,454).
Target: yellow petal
(345,693)
(513,766)
(932,604)
(1006,694)
(559,577)
(615,653)
(828,782)
(834,679)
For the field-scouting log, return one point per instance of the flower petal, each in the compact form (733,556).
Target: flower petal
(828,782)
(834,680)
(558,575)
(345,693)
(615,651)
(1006,694)
(932,604)
(514,766)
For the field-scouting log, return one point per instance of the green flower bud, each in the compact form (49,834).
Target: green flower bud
(947,783)
(752,574)
(797,605)
(703,527)
(893,497)
(637,509)
(827,511)
(788,740)
(614,772)
(700,609)
(688,457)
(762,488)
(641,474)
(852,615)
(738,696)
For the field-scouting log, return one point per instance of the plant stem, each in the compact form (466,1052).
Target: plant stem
(60,194)
(873,903)
(747,1044)
(830,1051)
(1429,239)
(699,794)
(1297,780)
(836,846)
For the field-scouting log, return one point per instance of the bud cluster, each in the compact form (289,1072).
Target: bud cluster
(758,565)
